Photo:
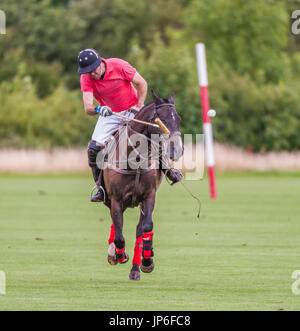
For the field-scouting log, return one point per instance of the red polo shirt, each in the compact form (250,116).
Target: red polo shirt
(115,89)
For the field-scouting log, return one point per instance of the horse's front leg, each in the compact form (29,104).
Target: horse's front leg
(111,253)
(137,257)
(147,227)
(116,212)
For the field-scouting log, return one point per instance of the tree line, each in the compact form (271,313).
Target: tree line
(253,66)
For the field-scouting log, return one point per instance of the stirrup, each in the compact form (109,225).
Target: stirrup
(93,190)
(99,188)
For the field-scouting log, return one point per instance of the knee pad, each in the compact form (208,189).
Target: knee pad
(93,151)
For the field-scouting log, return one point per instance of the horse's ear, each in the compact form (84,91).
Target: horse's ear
(156,98)
(172,99)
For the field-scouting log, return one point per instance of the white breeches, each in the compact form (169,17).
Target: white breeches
(106,126)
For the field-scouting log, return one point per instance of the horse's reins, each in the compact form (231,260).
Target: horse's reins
(159,124)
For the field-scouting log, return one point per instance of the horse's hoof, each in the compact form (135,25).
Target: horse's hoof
(135,272)
(147,265)
(111,257)
(134,275)
(112,260)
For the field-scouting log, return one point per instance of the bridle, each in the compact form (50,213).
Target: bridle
(171,105)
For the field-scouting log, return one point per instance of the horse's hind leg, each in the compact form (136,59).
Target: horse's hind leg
(117,215)
(147,261)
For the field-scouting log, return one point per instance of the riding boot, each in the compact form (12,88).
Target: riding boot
(93,151)
(174,175)
(99,196)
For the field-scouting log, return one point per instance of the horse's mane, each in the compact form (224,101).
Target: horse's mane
(140,113)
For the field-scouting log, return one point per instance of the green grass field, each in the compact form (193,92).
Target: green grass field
(239,255)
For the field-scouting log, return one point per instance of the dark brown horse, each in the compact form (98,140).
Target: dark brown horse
(127,187)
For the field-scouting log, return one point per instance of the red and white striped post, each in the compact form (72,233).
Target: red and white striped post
(207,127)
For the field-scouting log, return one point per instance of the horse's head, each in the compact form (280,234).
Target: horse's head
(166,112)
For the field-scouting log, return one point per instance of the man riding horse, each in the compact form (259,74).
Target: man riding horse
(110,82)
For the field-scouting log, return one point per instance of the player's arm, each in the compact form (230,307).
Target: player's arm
(90,109)
(141,87)
(88,102)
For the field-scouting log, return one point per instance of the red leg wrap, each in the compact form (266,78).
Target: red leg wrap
(121,254)
(148,235)
(112,234)
(120,250)
(147,254)
(137,257)
(147,244)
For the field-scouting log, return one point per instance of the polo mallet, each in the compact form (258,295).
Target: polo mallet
(159,123)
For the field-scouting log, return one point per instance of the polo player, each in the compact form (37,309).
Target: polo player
(110,82)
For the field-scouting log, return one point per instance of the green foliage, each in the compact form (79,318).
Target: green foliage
(45,32)
(259,118)
(111,24)
(166,77)
(28,121)
(253,66)
(250,36)
(45,77)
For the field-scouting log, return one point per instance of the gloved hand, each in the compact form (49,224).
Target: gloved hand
(103,111)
